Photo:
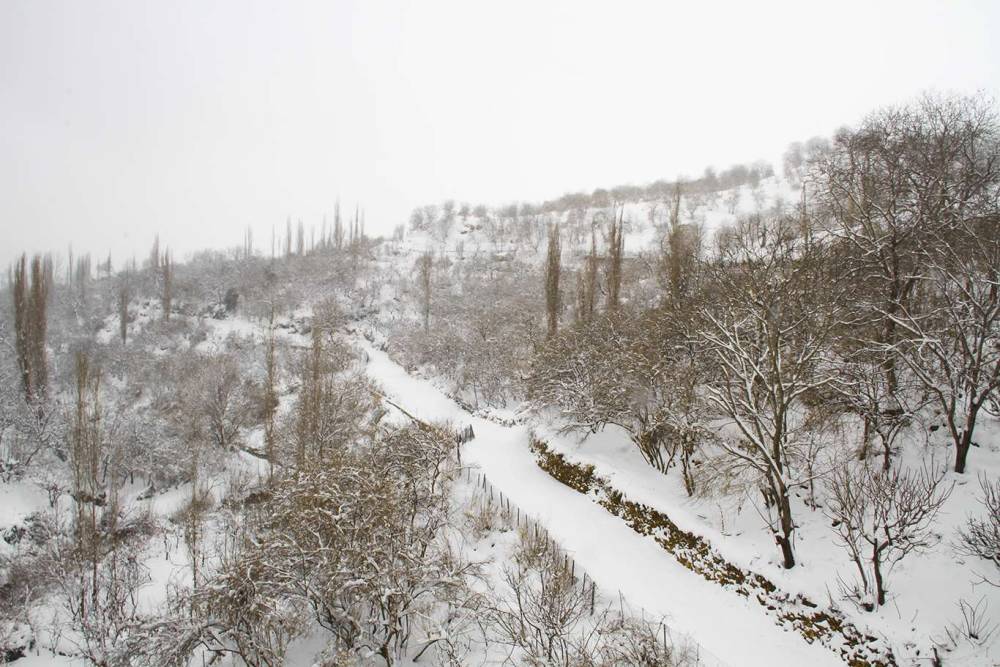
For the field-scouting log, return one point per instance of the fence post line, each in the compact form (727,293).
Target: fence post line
(535,528)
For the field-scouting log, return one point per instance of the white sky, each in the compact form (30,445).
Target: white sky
(193,119)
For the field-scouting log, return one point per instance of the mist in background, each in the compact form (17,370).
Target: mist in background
(193,120)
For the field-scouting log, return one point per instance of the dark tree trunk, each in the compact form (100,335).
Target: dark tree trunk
(785,538)
(962,451)
(879,583)
(866,439)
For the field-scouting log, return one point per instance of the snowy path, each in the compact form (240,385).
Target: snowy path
(726,626)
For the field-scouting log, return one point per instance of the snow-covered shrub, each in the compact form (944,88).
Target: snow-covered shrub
(482,330)
(880,517)
(353,542)
(482,518)
(542,609)
(981,535)
(544,614)
(976,625)
(328,315)
(335,407)
(608,372)
(627,640)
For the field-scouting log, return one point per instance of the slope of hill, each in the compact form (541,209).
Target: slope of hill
(180,482)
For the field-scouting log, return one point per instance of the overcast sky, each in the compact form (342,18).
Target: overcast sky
(193,119)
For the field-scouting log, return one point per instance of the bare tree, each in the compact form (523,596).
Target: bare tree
(41,283)
(425,274)
(124,296)
(587,284)
(881,516)
(552,270)
(330,414)
(22,325)
(101,575)
(31,323)
(270,396)
(768,334)
(310,402)
(680,253)
(544,607)
(616,246)
(864,391)
(544,616)
(87,457)
(891,189)
(981,536)
(338,227)
(355,541)
(167,294)
(225,402)
(609,372)
(83,274)
(248,243)
(154,255)
(952,344)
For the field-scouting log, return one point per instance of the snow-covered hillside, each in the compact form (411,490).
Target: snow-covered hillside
(668,425)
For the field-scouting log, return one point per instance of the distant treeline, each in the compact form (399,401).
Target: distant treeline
(710,181)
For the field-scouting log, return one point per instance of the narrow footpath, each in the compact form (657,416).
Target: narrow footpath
(727,627)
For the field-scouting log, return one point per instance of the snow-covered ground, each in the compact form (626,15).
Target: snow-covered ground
(729,629)
(925,589)
(644,221)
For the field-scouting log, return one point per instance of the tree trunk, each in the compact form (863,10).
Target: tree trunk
(785,538)
(962,450)
(965,442)
(879,585)
(866,439)
(886,453)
